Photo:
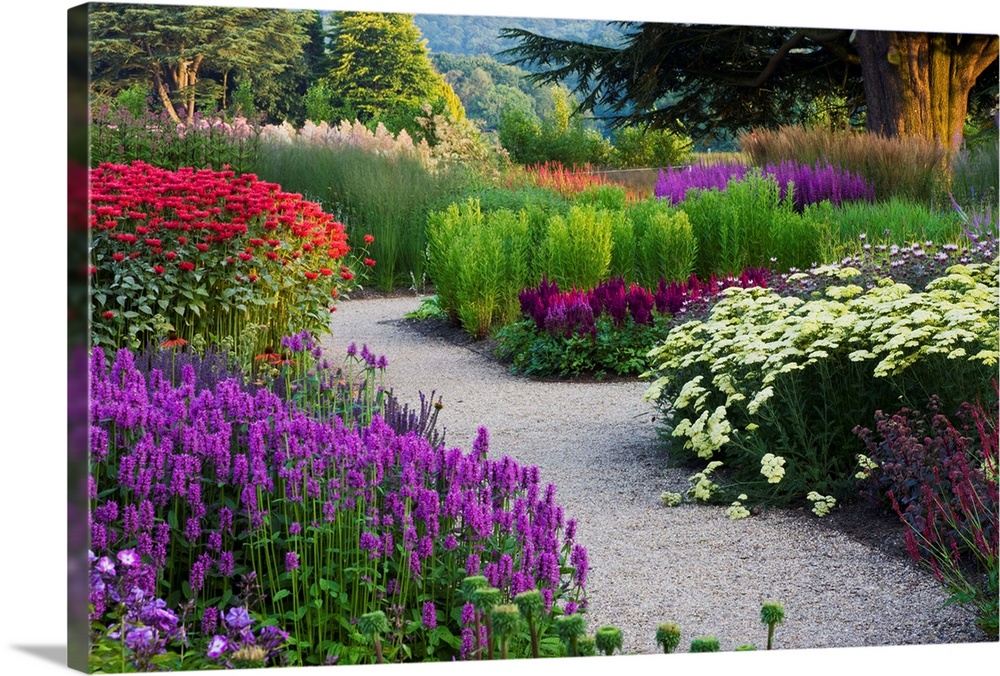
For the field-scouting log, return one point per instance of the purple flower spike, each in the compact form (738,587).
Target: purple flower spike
(429,615)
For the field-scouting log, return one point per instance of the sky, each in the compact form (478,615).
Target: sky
(33,116)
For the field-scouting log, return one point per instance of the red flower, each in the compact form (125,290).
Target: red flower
(244,256)
(202,246)
(182,240)
(347,275)
(326,272)
(151,241)
(334,293)
(252,278)
(135,254)
(369,262)
(311,275)
(170,255)
(272,255)
(93,269)
(274,242)
(333,308)
(108,314)
(187,266)
(159,269)
(369,239)
(118,256)
(173,340)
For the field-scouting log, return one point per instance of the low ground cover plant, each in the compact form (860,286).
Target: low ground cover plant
(210,252)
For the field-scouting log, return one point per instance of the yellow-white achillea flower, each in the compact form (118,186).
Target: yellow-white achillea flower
(773,467)
(822,504)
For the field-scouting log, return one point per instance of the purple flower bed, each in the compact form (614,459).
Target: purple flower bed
(812,184)
(203,486)
(574,312)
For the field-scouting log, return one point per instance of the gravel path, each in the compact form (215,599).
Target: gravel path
(648,564)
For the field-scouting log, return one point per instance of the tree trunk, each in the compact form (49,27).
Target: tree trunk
(917,84)
(161,90)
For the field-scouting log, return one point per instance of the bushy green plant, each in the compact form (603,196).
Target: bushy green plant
(479,263)
(576,251)
(667,249)
(743,225)
(773,386)
(635,147)
(975,174)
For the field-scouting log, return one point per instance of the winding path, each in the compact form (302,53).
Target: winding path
(649,564)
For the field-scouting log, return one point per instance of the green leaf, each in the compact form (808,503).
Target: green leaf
(281,594)
(130,314)
(146,309)
(101,298)
(179,309)
(163,303)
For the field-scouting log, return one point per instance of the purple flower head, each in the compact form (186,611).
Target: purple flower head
(271,638)
(291,561)
(216,646)
(238,618)
(468,613)
(429,615)
(352,350)
(294,528)
(128,558)
(140,639)
(209,620)
(105,566)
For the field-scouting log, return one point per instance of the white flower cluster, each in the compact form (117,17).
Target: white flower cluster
(707,434)
(773,467)
(867,465)
(822,504)
(701,486)
(737,510)
(668,499)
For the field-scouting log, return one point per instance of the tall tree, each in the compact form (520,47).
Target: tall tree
(380,69)
(174,48)
(697,78)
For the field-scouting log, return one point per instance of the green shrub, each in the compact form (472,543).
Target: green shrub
(479,263)
(635,147)
(667,249)
(576,251)
(749,225)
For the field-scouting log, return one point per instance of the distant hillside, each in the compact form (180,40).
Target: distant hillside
(476,35)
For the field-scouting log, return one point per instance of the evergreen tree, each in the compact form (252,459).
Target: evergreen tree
(380,71)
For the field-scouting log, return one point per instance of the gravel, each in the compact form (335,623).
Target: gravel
(844,581)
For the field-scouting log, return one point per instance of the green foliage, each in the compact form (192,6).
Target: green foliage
(119,137)
(380,70)
(386,196)
(576,251)
(635,147)
(559,137)
(894,221)
(479,263)
(184,54)
(243,100)
(748,224)
(773,386)
(667,248)
(317,103)
(614,350)
(133,100)
(975,175)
